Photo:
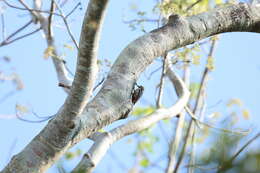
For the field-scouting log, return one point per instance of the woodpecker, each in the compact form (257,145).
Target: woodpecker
(137,93)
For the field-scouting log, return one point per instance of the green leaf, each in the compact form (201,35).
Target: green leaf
(196,59)
(141,13)
(234,101)
(69,155)
(246,114)
(144,163)
(143,111)
(194,89)
(68,47)
(78,152)
(210,63)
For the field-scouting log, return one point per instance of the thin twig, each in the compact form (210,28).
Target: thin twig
(28,9)
(222,168)
(67,25)
(161,85)
(19,38)
(30,121)
(18,30)
(139,21)
(154,71)
(242,148)
(78,4)
(50,19)
(160,95)
(58,62)
(192,5)
(7,95)
(183,148)
(193,135)
(213,127)
(176,139)
(3,26)
(42,117)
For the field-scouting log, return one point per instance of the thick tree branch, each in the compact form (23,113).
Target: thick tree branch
(141,52)
(113,100)
(87,59)
(103,143)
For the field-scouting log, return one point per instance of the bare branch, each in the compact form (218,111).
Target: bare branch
(161,85)
(176,140)
(6,42)
(67,25)
(46,23)
(18,30)
(3,26)
(160,94)
(47,29)
(72,11)
(192,5)
(28,9)
(197,107)
(243,147)
(140,21)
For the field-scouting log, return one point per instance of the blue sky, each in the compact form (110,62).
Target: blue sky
(236,76)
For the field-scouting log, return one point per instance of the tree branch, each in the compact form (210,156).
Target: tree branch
(16,32)
(199,104)
(66,25)
(6,42)
(113,99)
(230,161)
(176,140)
(103,143)
(87,59)
(46,25)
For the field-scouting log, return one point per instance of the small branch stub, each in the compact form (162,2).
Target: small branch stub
(64,86)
